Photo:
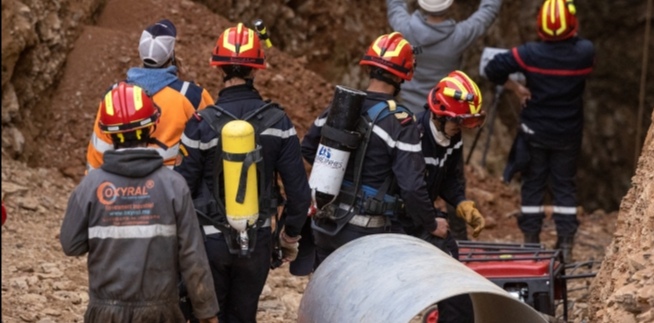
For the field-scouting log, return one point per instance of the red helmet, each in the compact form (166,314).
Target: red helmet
(557,20)
(127,108)
(456,97)
(392,53)
(238,46)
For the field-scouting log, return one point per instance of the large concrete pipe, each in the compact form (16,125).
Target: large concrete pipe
(392,278)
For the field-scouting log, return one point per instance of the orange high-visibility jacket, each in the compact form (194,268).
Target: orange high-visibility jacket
(178,101)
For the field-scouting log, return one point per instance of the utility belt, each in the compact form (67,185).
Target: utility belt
(368,209)
(368,201)
(370,221)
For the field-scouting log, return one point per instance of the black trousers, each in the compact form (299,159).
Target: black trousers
(239,281)
(556,164)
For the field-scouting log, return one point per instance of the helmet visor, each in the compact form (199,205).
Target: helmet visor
(469,120)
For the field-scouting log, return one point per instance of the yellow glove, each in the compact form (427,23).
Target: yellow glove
(469,213)
(289,246)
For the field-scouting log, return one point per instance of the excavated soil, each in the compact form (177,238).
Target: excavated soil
(40,284)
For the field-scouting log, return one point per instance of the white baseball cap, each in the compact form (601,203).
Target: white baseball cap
(157,43)
(435,5)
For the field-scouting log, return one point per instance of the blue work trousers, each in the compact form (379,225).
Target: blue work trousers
(239,281)
(554,164)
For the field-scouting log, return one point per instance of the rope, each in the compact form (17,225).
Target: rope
(643,82)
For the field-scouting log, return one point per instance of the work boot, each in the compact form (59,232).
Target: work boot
(532,237)
(565,243)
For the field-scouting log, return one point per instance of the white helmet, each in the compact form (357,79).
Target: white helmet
(434,5)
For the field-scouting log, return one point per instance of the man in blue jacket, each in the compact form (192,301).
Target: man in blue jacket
(452,104)
(551,122)
(239,280)
(392,166)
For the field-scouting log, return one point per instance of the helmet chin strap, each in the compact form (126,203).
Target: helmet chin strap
(440,125)
(379,75)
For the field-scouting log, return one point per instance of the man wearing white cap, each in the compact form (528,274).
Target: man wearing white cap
(178,99)
(438,40)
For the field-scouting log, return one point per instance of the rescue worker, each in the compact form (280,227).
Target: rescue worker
(136,220)
(393,161)
(551,122)
(452,104)
(177,99)
(239,281)
(439,43)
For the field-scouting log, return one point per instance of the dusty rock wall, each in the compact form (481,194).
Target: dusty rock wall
(36,38)
(623,291)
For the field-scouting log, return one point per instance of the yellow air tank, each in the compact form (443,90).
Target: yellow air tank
(238,140)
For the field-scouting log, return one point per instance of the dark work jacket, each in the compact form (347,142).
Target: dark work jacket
(444,165)
(394,150)
(556,75)
(280,149)
(136,220)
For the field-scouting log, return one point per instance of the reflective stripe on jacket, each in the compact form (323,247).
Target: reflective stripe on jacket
(556,73)
(444,165)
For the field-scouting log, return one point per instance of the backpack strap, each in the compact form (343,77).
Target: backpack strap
(262,119)
(265,117)
(216,117)
(191,91)
(381,110)
(371,117)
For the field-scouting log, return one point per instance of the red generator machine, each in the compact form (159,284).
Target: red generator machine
(529,272)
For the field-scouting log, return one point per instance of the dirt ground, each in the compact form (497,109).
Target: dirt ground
(40,284)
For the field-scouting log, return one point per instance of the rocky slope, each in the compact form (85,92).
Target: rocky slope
(55,94)
(624,289)
(36,39)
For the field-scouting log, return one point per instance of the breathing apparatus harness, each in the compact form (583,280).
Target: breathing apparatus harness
(212,210)
(333,217)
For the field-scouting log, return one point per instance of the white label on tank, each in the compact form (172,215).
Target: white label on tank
(328,169)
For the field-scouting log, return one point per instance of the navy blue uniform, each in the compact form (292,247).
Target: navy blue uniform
(444,175)
(394,151)
(551,124)
(445,179)
(238,280)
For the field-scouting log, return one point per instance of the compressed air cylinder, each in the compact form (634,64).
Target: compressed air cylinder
(336,144)
(238,139)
